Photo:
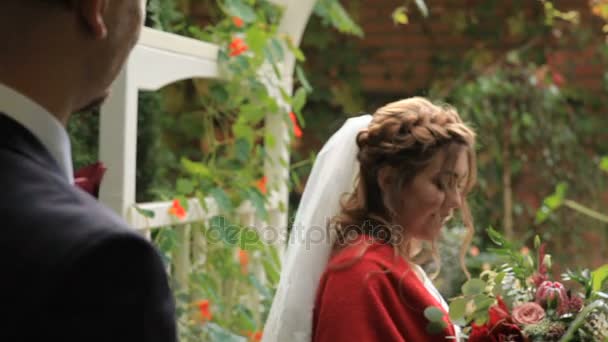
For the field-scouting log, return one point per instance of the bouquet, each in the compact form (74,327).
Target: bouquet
(518,301)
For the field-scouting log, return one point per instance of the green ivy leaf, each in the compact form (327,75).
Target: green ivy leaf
(299,100)
(297,52)
(240,9)
(258,201)
(218,333)
(221,198)
(604,164)
(218,93)
(400,15)
(185,186)
(256,39)
(276,47)
(242,150)
(196,168)
(244,131)
(145,212)
(264,291)
(302,78)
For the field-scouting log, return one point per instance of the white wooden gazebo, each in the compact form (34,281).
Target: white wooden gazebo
(162,58)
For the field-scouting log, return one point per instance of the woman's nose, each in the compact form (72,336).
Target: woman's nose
(453,199)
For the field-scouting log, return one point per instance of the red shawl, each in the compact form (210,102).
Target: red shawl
(376,298)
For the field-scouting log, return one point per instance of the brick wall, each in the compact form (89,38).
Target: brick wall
(400,59)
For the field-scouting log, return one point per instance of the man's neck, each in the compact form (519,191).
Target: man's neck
(42,90)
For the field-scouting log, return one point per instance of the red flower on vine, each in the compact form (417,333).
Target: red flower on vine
(297,131)
(203,308)
(261,184)
(237,47)
(254,336)
(243,257)
(177,210)
(238,22)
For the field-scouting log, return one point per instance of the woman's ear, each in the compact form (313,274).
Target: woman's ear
(92,13)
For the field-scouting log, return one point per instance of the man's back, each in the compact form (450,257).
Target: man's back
(72,269)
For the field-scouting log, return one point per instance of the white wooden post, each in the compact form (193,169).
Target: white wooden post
(276,167)
(118,142)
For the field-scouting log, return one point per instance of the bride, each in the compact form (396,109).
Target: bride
(349,273)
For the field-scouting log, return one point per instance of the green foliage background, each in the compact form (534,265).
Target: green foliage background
(554,134)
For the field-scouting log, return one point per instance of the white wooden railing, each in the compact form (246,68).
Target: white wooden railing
(160,59)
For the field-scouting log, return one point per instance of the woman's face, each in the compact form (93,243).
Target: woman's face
(429,200)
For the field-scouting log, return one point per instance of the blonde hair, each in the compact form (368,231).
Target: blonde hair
(404,135)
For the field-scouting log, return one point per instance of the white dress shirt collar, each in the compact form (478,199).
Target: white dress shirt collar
(42,124)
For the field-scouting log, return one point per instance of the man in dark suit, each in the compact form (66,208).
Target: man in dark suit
(71,270)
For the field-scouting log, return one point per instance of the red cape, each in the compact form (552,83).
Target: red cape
(376,298)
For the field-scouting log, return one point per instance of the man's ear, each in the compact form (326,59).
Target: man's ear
(92,14)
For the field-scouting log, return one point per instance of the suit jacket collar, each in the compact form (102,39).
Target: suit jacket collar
(18,139)
(41,124)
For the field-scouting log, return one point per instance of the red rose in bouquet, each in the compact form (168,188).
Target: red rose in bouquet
(499,328)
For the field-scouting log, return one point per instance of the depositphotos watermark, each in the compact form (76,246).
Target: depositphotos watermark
(220,230)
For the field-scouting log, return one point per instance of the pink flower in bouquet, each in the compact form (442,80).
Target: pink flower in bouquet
(89,178)
(551,294)
(528,313)
(540,275)
(574,305)
(500,327)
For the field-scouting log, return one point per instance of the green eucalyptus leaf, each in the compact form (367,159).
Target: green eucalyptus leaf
(498,290)
(435,328)
(434,314)
(473,287)
(458,308)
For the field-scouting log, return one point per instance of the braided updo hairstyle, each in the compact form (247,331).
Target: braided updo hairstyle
(404,135)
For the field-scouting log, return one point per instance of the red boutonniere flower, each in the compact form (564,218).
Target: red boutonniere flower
(89,178)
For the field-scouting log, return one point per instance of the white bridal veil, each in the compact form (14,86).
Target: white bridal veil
(310,243)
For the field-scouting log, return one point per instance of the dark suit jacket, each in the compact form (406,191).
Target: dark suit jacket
(70,269)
